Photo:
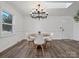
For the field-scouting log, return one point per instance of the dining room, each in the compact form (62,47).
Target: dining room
(39,29)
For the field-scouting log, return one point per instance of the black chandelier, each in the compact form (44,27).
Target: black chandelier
(39,13)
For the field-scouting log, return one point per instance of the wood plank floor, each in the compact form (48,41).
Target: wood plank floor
(60,49)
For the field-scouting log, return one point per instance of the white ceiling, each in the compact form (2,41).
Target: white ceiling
(25,7)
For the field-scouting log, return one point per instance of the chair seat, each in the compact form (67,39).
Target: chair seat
(29,39)
(39,42)
(48,38)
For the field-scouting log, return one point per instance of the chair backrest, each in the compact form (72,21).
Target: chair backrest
(39,40)
(30,38)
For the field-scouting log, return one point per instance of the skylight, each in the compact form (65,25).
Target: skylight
(58,5)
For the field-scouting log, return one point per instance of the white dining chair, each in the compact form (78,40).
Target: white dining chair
(39,40)
(48,40)
(30,40)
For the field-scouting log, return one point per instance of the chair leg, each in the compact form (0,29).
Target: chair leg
(32,44)
(35,50)
(48,44)
(28,43)
(42,49)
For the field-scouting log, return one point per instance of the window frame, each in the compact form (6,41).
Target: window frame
(5,32)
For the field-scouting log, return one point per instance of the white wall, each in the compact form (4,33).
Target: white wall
(7,40)
(52,25)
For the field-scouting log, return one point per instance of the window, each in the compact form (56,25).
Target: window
(6,21)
